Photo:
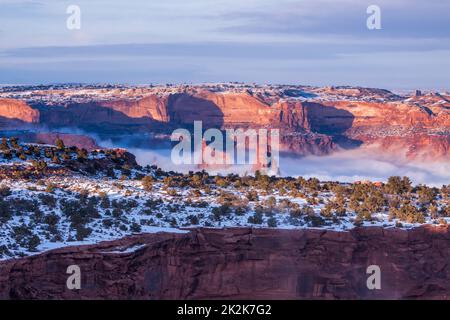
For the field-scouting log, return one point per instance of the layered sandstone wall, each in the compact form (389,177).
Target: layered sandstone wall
(77,140)
(242,263)
(152,107)
(18,110)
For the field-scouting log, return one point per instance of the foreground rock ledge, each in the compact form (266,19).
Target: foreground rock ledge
(242,263)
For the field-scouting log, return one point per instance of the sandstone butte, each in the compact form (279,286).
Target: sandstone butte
(417,127)
(242,263)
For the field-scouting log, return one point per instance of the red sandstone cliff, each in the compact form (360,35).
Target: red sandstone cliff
(242,264)
(220,109)
(152,107)
(77,140)
(11,109)
(405,130)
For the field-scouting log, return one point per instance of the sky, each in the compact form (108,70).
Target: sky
(344,166)
(311,42)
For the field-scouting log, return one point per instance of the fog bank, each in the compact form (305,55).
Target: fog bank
(344,166)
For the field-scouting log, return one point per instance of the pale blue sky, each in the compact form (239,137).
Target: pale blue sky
(317,42)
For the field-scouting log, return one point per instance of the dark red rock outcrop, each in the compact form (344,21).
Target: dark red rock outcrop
(382,118)
(152,107)
(241,264)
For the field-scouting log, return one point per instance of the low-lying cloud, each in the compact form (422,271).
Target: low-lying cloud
(349,166)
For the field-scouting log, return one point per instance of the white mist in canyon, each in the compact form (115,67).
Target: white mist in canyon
(350,166)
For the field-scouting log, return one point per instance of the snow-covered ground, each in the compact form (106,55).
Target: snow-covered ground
(115,208)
